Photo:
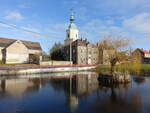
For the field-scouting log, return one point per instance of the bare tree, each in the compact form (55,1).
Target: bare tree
(115,50)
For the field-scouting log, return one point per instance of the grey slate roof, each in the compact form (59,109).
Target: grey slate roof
(5,42)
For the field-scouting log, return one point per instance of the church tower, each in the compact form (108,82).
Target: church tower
(72,31)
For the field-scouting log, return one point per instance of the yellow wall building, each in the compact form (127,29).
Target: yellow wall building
(17,51)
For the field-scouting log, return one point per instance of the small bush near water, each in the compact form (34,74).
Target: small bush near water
(140,69)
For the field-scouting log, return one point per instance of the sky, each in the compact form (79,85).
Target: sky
(95,19)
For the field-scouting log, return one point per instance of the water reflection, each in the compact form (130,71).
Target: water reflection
(139,80)
(75,87)
(81,91)
(118,100)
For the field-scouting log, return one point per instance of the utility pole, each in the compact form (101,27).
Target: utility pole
(70,52)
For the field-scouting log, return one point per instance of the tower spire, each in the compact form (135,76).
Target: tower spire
(72,31)
(72,16)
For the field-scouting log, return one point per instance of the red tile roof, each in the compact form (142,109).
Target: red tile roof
(144,51)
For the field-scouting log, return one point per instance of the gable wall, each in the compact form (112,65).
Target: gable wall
(17,53)
(34,51)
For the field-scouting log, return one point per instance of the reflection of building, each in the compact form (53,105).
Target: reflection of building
(17,51)
(15,87)
(18,87)
(84,84)
(144,55)
(72,102)
(82,51)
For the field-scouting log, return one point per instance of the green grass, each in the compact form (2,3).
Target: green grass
(138,69)
(145,68)
(1,62)
(102,68)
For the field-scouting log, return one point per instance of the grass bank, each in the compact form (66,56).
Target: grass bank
(134,69)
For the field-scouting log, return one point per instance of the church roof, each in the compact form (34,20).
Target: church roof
(72,26)
(5,42)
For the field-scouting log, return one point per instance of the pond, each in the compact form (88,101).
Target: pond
(79,92)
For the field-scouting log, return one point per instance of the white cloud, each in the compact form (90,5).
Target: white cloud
(139,23)
(116,7)
(14,15)
(96,29)
(135,28)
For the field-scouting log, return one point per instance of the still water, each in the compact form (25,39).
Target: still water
(72,93)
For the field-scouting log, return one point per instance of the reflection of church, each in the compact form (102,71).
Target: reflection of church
(76,87)
(78,50)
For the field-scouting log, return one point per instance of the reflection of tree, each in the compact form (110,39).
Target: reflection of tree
(59,84)
(36,85)
(139,80)
(117,102)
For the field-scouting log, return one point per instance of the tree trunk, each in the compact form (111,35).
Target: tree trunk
(112,68)
(113,63)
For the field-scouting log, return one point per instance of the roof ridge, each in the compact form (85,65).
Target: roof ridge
(5,42)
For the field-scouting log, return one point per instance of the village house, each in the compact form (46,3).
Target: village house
(144,55)
(18,51)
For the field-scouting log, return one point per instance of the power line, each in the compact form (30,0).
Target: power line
(23,29)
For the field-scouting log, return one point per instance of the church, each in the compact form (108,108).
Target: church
(79,50)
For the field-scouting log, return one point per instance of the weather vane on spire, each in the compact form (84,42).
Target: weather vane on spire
(72,11)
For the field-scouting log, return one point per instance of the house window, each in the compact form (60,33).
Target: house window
(74,51)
